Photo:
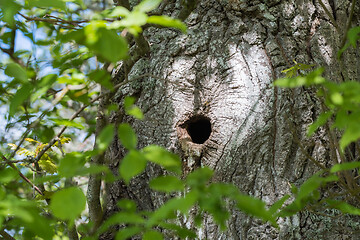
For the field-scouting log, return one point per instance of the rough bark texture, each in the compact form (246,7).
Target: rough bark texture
(223,70)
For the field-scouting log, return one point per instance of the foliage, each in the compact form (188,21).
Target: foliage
(339,117)
(40,93)
(51,90)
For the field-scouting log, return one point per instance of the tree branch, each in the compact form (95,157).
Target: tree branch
(330,16)
(343,41)
(6,235)
(20,173)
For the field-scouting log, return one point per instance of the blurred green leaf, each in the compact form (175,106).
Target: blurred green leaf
(147,5)
(127,233)
(278,204)
(343,207)
(353,35)
(164,158)
(320,121)
(310,79)
(68,123)
(152,235)
(167,22)
(344,166)
(127,136)
(167,184)
(8,10)
(71,163)
(48,4)
(68,204)
(19,98)
(199,178)
(131,165)
(16,71)
(105,137)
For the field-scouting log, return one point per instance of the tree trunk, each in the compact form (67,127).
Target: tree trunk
(222,71)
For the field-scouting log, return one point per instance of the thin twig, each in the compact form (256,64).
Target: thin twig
(76,114)
(21,175)
(6,235)
(348,24)
(330,16)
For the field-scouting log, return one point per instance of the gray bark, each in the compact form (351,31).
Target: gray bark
(223,70)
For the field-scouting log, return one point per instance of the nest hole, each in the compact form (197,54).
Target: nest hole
(199,129)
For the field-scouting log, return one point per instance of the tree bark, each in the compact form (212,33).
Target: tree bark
(222,70)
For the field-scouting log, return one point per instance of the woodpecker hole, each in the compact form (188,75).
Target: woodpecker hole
(199,129)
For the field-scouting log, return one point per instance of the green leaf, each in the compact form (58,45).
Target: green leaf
(7,175)
(8,9)
(106,43)
(127,233)
(278,204)
(102,77)
(71,164)
(68,204)
(199,178)
(255,207)
(105,137)
(152,235)
(181,232)
(65,122)
(20,96)
(343,207)
(16,71)
(129,102)
(127,205)
(167,184)
(147,5)
(167,22)
(310,79)
(132,110)
(48,4)
(135,112)
(116,12)
(127,136)
(131,165)
(344,166)
(164,158)
(353,35)
(167,211)
(320,121)
(351,134)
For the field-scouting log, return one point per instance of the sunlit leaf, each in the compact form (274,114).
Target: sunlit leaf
(167,22)
(147,5)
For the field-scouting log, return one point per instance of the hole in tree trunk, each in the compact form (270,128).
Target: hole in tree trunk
(199,129)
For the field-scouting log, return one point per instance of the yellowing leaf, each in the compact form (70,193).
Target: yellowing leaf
(47,164)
